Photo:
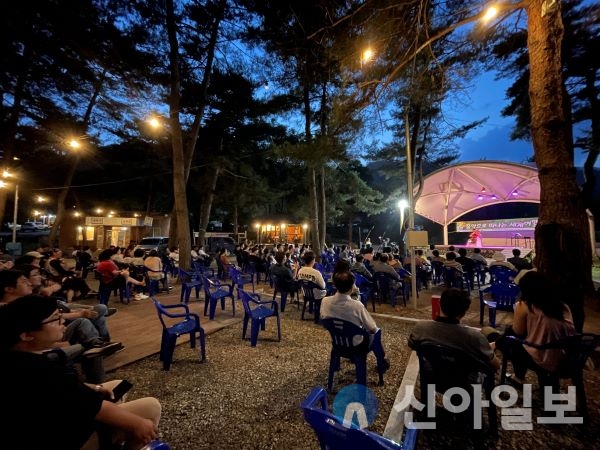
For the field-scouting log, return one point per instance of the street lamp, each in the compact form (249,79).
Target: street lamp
(305,228)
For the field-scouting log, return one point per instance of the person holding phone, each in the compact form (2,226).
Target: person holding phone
(43,394)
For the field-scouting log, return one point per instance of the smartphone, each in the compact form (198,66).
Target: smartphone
(120,390)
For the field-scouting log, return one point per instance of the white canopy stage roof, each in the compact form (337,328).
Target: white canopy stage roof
(456,190)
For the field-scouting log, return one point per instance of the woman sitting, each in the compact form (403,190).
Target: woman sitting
(112,276)
(540,318)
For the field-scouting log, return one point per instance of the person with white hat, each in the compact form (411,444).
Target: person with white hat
(500,260)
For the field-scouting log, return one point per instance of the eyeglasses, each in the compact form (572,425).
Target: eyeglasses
(58,319)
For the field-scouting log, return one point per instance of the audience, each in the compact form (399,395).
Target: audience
(452,262)
(342,306)
(518,262)
(91,331)
(540,317)
(112,277)
(284,274)
(49,395)
(359,267)
(309,273)
(500,260)
(447,330)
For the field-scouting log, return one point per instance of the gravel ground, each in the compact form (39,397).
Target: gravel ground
(248,398)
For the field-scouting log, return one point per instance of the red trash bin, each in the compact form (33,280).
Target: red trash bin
(435,306)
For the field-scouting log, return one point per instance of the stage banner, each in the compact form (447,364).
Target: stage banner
(527,224)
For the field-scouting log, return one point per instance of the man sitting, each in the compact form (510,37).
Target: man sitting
(452,262)
(342,306)
(359,267)
(518,262)
(284,274)
(85,327)
(309,273)
(446,330)
(50,395)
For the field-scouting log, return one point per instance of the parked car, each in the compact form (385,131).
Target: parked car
(158,243)
(213,244)
(33,226)
(9,225)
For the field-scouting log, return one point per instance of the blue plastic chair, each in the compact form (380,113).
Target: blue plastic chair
(256,312)
(153,285)
(156,445)
(308,294)
(437,268)
(105,291)
(189,281)
(213,292)
(189,325)
(342,346)
(479,271)
(577,349)
(333,435)
(499,296)
(389,288)
(456,279)
(240,279)
(282,289)
(366,289)
(501,274)
(442,368)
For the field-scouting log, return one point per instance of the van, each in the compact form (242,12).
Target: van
(158,243)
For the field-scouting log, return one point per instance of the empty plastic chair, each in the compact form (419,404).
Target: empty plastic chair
(189,325)
(213,292)
(256,312)
(334,435)
(499,296)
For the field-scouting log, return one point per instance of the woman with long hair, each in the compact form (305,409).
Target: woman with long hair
(541,317)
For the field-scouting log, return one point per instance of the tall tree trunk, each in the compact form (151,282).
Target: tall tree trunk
(312,185)
(322,197)
(562,241)
(322,205)
(314,211)
(207,205)
(179,167)
(235,221)
(62,196)
(60,202)
(188,154)
(10,134)
(350,232)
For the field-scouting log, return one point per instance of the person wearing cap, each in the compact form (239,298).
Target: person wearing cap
(36,255)
(500,260)
(48,394)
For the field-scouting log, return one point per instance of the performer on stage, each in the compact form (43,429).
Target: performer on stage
(474,239)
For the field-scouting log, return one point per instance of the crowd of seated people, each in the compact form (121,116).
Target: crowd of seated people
(86,334)
(46,391)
